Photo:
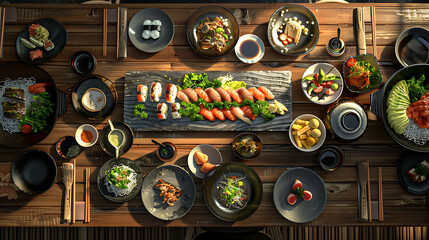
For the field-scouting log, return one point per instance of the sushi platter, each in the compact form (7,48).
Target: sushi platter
(278,82)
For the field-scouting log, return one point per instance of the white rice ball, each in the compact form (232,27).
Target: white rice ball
(146,34)
(154,34)
(147,23)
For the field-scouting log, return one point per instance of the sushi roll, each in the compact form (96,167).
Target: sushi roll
(49,45)
(147,24)
(146,34)
(161,111)
(155,92)
(154,34)
(171,93)
(156,25)
(175,111)
(141,93)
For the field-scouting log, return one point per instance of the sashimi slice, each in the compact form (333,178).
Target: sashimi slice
(207,167)
(268,94)
(218,114)
(207,114)
(200,158)
(240,114)
(245,94)
(246,109)
(213,95)
(307,195)
(183,97)
(257,94)
(291,198)
(191,94)
(234,95)
(224,94)
(228,114)
(297,184)
(202,94)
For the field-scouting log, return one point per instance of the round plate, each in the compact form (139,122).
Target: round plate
(253,38)
(302,211)
(102,83)
(214,158)
(211,12)
(306,42)
(372,60)
(135,30)
(34,172)
(102,174)
(255,138)
(127,143)
(178,177)
(57,34)
(406,162)
(325,99)
(252,181)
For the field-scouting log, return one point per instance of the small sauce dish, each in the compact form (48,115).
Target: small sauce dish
(94,100)
(250,48)
(67,147)
(167,153)
(86,135)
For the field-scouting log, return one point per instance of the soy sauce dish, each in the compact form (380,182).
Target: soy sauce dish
(249,49)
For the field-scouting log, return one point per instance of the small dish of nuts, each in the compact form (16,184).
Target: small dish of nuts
(307,133)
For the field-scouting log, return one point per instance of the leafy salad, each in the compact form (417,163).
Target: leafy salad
(40,109)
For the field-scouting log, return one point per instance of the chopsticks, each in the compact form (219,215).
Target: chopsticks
(369,195)
(87,196)
(104,32)
(374,37)
(74,192)
(3,18)
(380,195)
(117,31)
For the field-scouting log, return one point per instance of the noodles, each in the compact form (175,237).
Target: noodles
(416,134)
(123,183)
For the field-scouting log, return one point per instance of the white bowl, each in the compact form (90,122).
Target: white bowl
(321,127)
(214,158)
(90,128)
(253,40)
(327,68)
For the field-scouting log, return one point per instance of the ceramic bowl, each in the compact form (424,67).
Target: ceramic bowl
(92,130)
(308,117)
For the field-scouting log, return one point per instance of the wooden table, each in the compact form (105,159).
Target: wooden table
(84,26)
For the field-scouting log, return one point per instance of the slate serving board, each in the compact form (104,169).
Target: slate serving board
(279,82)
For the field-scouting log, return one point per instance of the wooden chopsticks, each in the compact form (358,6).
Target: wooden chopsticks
(118,23)
(104,32)
(3,18)
(87,196)
(74,192)
(380,195)
(374,37)
(369,195)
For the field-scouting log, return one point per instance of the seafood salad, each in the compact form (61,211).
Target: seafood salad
(214,33)
(246,146)
(232,192)
(170,193)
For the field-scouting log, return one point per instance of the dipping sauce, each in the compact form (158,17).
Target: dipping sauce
(86,136)
(330,158)
(83,62)
(167,153)
(249,49)
(115,138)
(94,100)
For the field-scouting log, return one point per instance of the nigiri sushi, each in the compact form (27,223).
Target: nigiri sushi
(202,94)
(218,114)
(175,111)
(192,95)
(155,91)
(170,93)
(141,93)
(224,94)
(245,94)
(200,158)
(161,111)
(246,109)
(268,94)
(257,94)
(228,114)
(207,114)
(213,95)
(234,95)
(240,114)
(207,167)
(183,97)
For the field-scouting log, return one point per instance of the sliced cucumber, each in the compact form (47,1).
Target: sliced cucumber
(27,44)
(36,42)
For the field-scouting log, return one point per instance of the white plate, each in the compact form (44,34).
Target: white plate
(327,68)
(322,128)
(214,158)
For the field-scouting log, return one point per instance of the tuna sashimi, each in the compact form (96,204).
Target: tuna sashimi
(234,95)
(268,94)
(245,94)
(228,114)
(207,114)
(224,94)
(246,109)
(202,94)
(307,195)
(257,94)
(183,97)
(218,114)
(291,198)
(200,158)
(240,114)
(297,184)
(213,95)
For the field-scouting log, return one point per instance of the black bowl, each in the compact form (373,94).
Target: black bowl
(83,62)
(211,12)
(255,138)
(67,147)
(34,172)
(126,145)
(372,60)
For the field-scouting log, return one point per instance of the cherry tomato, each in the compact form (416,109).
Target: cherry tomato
(282,36)
(318,89)
(351,62)
(285,42)
(26,129)
(328,83)
(330,92)
(290,40)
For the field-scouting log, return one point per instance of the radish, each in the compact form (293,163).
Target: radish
(307,195)
(291,198)
(297,184)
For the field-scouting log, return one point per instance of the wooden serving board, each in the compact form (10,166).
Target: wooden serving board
(279,82)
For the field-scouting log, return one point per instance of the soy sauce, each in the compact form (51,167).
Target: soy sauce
(350,121)
(249,49)
(330,158)
(83,62)
(166,152)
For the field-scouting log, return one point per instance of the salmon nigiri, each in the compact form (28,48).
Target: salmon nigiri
(183,97)
(234,95)
(207,167)
(228,114)
(240,114)
(268,94)
(191,94)
(245,94)
(202,94)
(213,95)
(246,109)
(200,158)
(257,94)
(218,114)
(224,94)
(207,114)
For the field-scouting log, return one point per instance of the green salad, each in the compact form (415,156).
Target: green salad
(119,177)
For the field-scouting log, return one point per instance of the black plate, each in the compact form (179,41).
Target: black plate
(135,30)
(102,83)
(34,172)
(126,145)
(102,174)
(211,12)
(59,98)
(372,60)
(252,181)
(57,34)
(406,162)
(178,177)
(307,42)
